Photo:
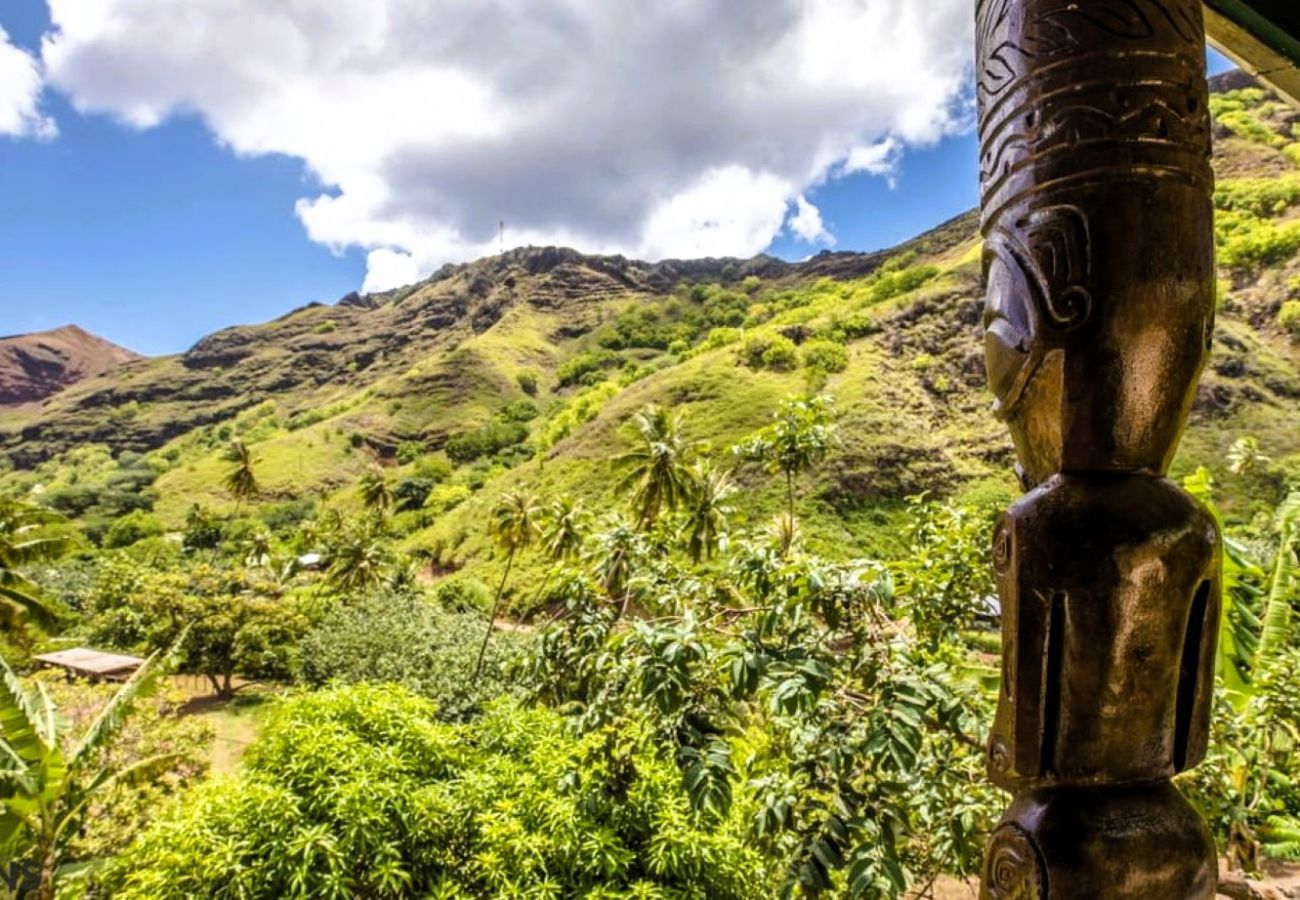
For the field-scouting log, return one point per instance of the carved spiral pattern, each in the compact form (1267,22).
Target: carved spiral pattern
(1013,868)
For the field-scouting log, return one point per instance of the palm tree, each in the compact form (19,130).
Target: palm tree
(28,534)
(563,532)
(658,472)
(376,495)
(45,789)
(707,510)
(618,550)
(241,480)
(358,561)
(514,526)
(565,529)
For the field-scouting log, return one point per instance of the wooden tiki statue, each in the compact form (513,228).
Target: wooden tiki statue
(1097,218)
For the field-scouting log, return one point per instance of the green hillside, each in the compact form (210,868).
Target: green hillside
(521,371)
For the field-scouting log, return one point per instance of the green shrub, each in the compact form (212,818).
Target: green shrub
(134,526)
(721,337)
(1288,318)
(584,364)
(434,468)
(359,792)
(485,441)
(725,308)
(446,497)
(280,517)
(639,326)
(825,356)
(407,640)
(519,411)
(771,351)
(409,451)
(1247,242)
(527,380)
(1262,197)
(329,326)
(410,493)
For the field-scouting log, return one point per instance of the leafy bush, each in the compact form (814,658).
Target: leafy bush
(134,526)
(462,593)
(1247,242)
(410,493)
(485,441)
(519,411)
(1262,197)
(407,640)
(527,380)
(639,326)
(771,351)
(825,356)
(284,516)
(359,792)
(576,369)
(1288,318)
(724,308)
(409,451)
(446,497)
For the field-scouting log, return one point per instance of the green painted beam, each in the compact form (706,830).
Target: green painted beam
(1262,36)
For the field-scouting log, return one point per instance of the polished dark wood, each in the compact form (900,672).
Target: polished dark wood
(1099,258)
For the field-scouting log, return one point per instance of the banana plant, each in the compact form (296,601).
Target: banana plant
(28,534)
(48,779)
(1283,580)
(1240,625)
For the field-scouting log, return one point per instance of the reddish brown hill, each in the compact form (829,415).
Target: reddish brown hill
(35,366)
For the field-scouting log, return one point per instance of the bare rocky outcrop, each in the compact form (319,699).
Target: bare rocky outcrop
(38,365)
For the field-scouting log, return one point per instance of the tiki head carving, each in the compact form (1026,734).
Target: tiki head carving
(1096,197)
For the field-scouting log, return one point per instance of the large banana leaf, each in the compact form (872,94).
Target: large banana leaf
(113,715)
(18,718)
(1276,631)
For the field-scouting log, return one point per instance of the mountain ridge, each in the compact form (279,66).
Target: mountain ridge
(37,365)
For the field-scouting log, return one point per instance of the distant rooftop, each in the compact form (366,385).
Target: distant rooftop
(95,664)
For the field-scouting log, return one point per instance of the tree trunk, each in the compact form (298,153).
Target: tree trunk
(49,863)
(492,619)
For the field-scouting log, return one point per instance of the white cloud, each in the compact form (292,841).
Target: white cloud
(20,94)
(806,223)
(676,128)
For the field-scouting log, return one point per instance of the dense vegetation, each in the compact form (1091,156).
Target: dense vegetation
(627,585)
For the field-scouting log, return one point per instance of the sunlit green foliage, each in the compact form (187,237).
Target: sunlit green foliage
(360,792)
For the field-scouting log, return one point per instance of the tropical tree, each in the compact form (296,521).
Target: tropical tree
(564,530)
(802,433)
(376,495)
(515,525)
(47,789)
(28,534)
(707,510)
(241,480)
(658,471)
(359,558)
(619,549)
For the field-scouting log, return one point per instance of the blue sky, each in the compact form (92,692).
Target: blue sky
(155,236)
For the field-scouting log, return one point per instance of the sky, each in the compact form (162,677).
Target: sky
(170,168)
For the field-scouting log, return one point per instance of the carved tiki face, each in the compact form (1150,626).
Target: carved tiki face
(1091,192)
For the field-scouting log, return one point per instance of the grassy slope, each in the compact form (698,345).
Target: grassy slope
(443,357)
